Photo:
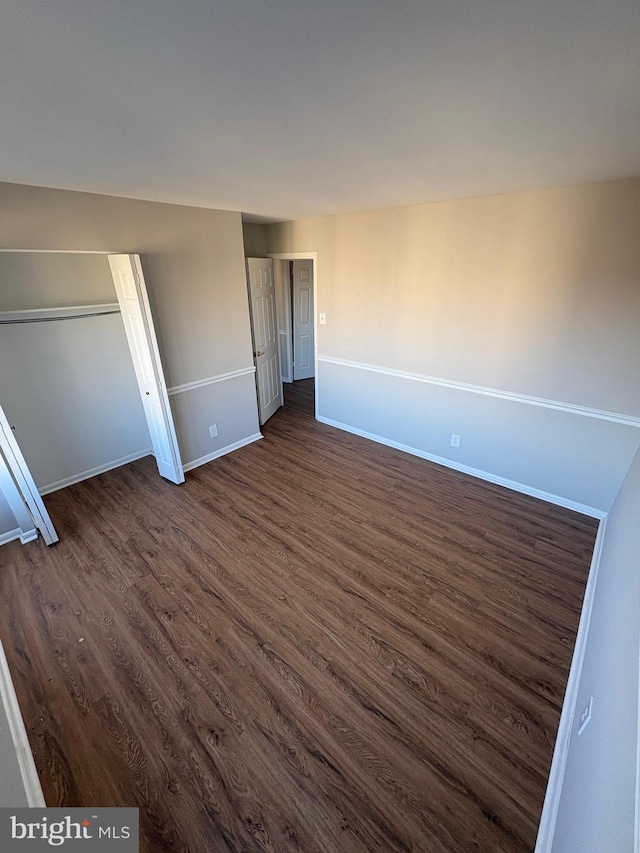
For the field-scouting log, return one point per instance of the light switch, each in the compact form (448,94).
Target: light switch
(323,318)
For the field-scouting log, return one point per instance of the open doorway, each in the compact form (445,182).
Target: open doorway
(300,396)
(296,280)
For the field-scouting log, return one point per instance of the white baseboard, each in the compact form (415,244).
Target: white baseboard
(18,533)
(10,535)
(28,536)
(28,772)
(546,829)
(515,486)
(222,451)
(93,472)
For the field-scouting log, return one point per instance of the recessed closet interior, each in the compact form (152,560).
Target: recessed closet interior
(67,383)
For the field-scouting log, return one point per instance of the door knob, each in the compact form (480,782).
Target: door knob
(258,354)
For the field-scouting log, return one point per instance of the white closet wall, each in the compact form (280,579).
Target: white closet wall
(8,522)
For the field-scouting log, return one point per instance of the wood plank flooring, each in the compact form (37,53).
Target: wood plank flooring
(315,644)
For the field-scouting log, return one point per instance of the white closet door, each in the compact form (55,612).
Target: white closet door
(138,324)
(9,491)
(303,333)
(21,475)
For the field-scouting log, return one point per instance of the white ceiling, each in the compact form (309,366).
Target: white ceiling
(291,108)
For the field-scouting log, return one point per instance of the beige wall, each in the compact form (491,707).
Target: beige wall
(536,293)
(193,261)
(49,280)
(511,292)
(255,239)
(192,258)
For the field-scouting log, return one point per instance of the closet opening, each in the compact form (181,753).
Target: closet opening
(296,288)
(81,388)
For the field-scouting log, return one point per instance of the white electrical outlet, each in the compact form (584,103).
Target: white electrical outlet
(585,716)
(213,430)
(455,440)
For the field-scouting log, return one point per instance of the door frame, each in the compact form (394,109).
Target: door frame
(307,256)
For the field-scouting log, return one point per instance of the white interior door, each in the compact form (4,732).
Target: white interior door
(25,485)
(138,324)
(262,304)
(303,343)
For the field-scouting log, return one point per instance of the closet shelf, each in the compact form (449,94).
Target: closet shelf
(68,312)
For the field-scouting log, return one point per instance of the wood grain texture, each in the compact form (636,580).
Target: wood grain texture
(315,644)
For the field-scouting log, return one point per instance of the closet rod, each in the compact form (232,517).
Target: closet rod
(66,312)
(56,319)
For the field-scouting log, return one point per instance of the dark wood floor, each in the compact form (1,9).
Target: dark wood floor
(315,644)
(300,396)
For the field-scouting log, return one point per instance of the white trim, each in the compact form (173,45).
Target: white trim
(307,256)
(585,411)
(549,815)
(222,451)
(58,313)
(30,780)
(292,256)
(93,472)
(514,485)
(10,535)
(210,380)
(18,533)
(29,536)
